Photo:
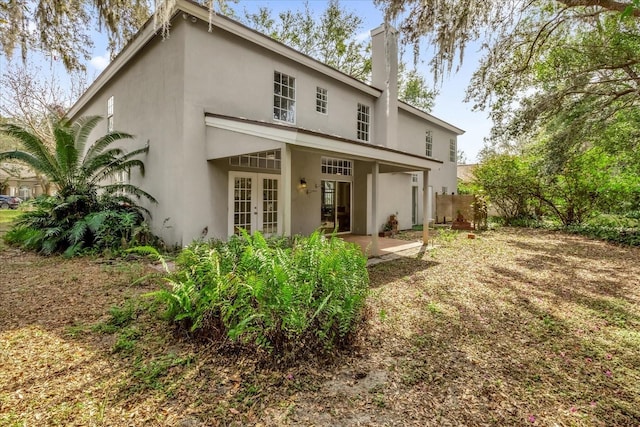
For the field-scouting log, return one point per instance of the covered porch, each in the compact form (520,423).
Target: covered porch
(300,182)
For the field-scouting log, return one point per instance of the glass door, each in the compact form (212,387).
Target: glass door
(268,220)
(254,203)
(335,206)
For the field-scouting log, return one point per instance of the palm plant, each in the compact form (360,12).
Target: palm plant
(81,172)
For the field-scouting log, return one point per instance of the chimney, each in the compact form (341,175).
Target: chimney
(384,76)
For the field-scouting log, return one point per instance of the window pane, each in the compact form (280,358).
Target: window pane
(284,97)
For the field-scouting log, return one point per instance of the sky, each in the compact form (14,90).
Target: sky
(449,104)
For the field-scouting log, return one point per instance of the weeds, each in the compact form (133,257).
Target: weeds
(446,235)
(120,317)
(126,341)
(150,374)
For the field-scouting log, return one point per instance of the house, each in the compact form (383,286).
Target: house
(465,173)
(245,132)
(19,181)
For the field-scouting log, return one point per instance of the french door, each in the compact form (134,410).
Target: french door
(254,203)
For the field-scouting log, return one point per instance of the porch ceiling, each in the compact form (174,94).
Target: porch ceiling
(264,136)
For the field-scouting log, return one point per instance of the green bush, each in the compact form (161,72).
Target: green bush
(287,296)
(77,224)
(619,235)
(95,208)
(613,221)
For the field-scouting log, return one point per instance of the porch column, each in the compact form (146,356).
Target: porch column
(375,247)
(285,173)
(425,205)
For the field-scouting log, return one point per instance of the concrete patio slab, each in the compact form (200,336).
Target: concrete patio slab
(390,248)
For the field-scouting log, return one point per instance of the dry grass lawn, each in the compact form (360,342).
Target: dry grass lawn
(516,327)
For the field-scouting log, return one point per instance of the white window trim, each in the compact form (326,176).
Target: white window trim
(367,123)
(428,143)
(295,91)
(110,111)
(324,93)
(334,166)
(453,150)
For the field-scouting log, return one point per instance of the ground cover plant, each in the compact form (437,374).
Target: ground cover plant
(291,298)
(515,327)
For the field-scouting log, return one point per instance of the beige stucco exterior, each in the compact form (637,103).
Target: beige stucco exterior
(200,97)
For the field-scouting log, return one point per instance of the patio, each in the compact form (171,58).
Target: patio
(389,248)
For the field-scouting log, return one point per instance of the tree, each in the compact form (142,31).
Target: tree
(78,215)
(449,25)
(507,181)
(60,27)
(576,82)
(33,99)
(541,57)
(73,167)
(332,38)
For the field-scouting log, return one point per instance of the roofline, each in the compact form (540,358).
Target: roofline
(256,37)
(319,134)
(147,33)
(433,119)
(139,40)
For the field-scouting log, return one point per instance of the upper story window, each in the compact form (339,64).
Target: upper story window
(453,152)
(337,166)
(284,97)
(321,100)
(363,122)
(428,146)
(110,114)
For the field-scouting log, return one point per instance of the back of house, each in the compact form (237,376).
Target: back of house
(245,132)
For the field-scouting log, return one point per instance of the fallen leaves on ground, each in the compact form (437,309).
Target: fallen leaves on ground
(515,327)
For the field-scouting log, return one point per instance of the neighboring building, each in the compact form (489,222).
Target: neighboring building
(247,132)
(19,181)
(465,173)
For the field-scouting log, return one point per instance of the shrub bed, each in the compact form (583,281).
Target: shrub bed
(80,224)
(289,297)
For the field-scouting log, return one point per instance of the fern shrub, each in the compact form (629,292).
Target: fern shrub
(78,224)
(286,296)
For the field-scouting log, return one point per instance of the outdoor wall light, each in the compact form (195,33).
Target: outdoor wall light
(303,184)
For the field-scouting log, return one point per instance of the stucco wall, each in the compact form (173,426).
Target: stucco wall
(305,203)
(395,199)
(228,75)
(161,96)
(411,136)
(149,103)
